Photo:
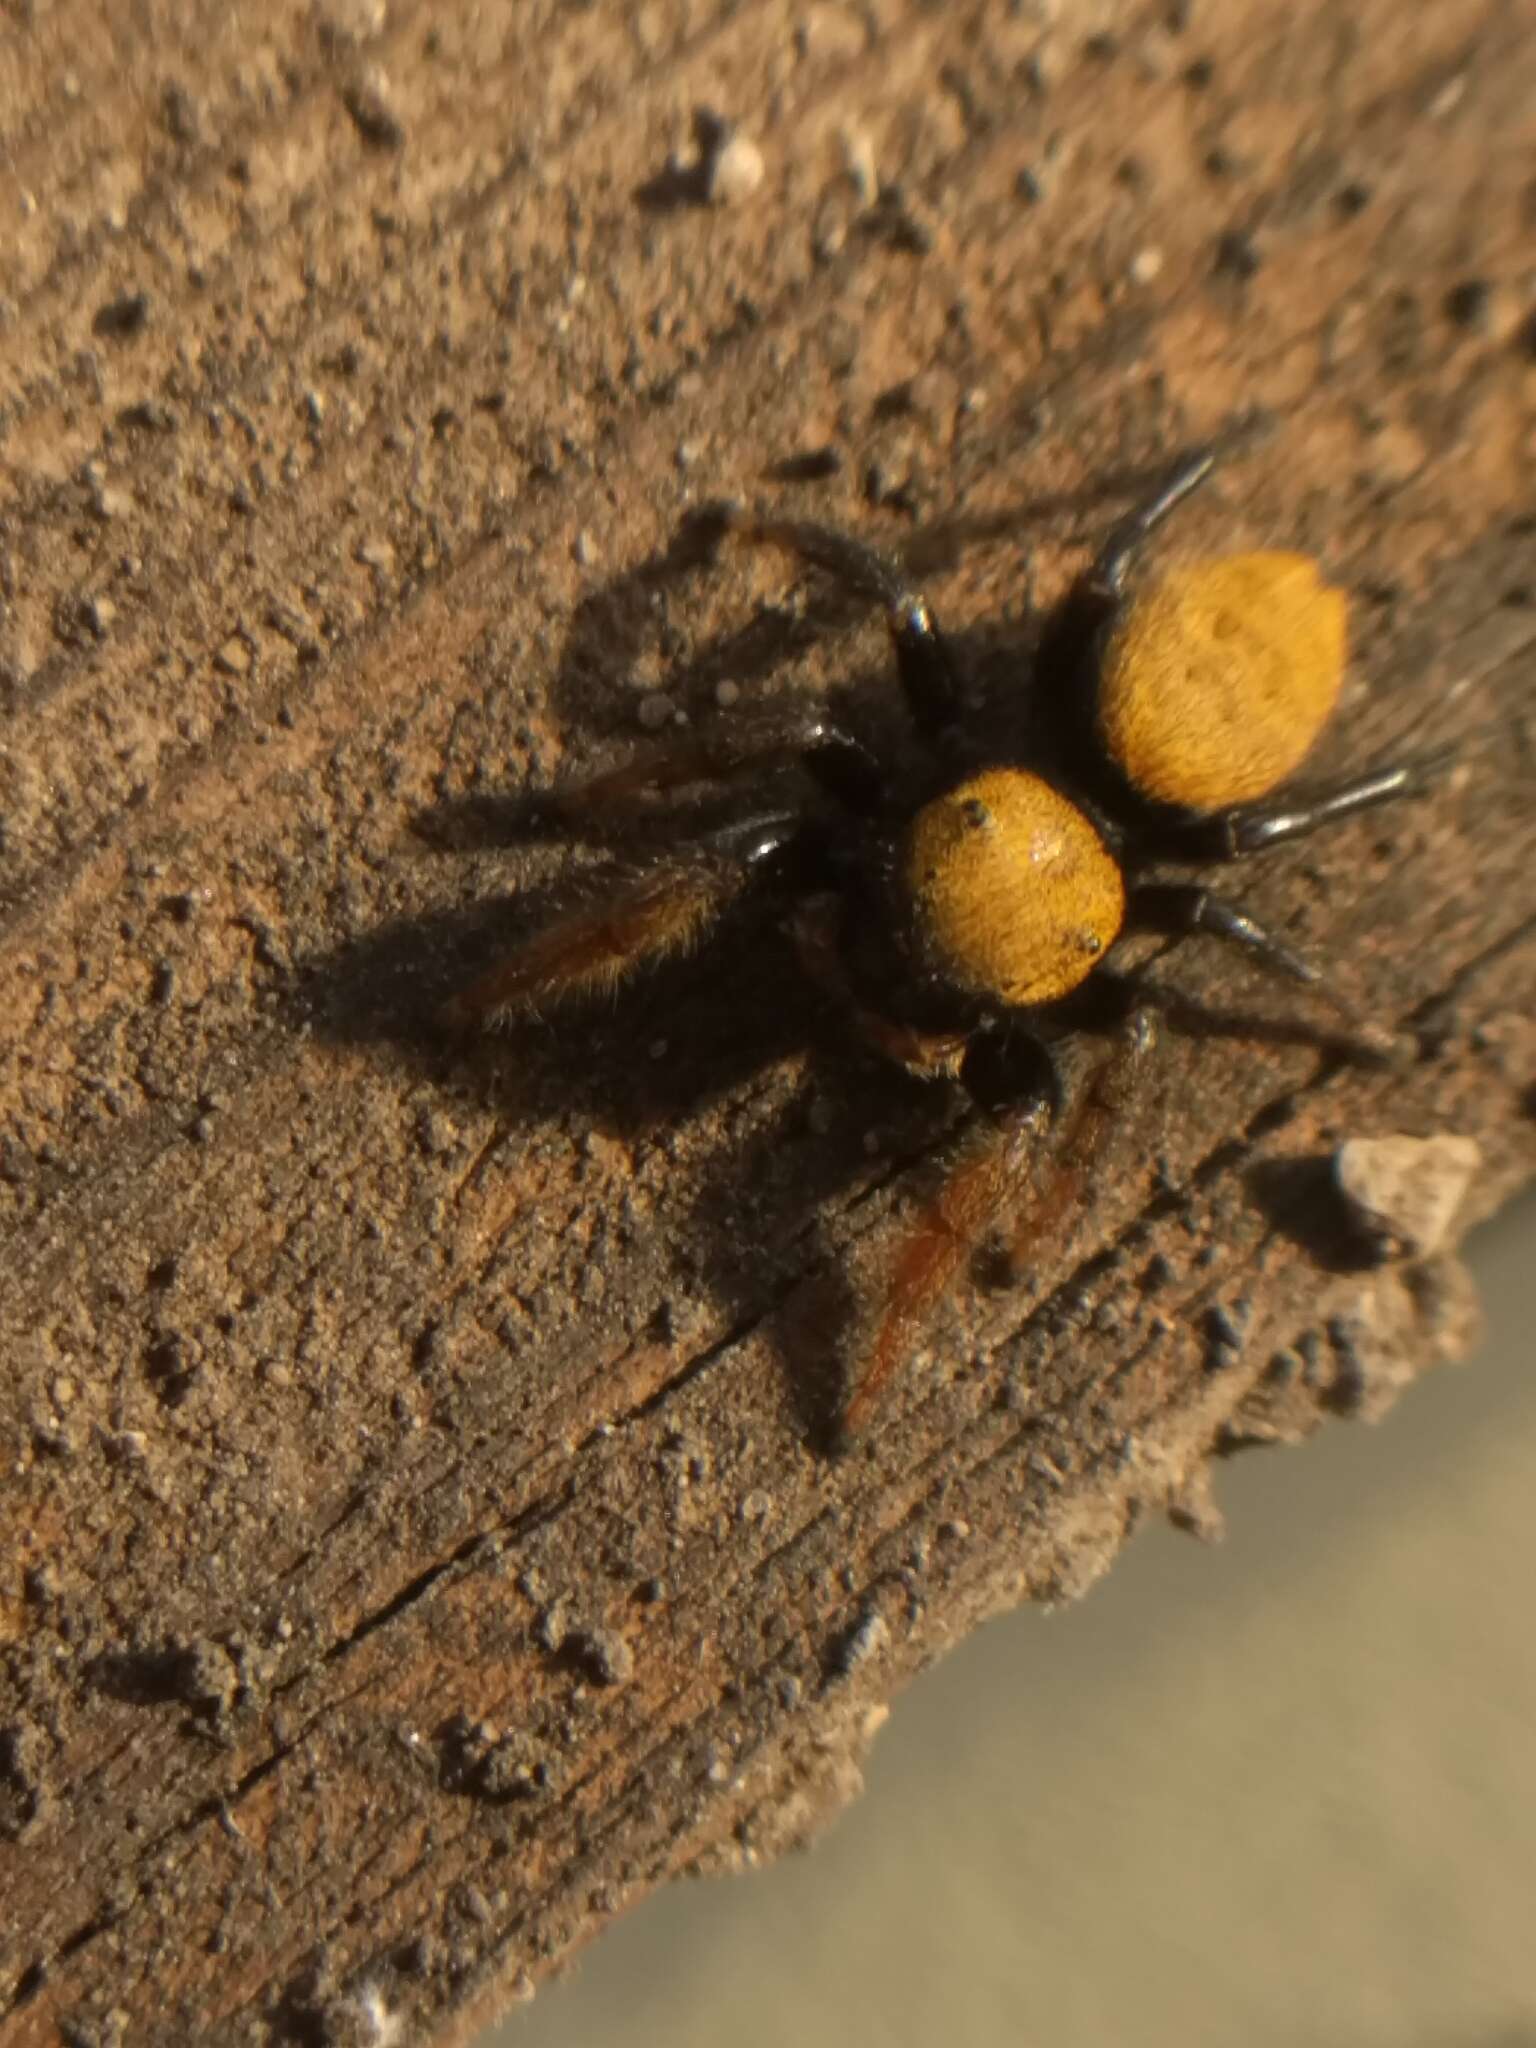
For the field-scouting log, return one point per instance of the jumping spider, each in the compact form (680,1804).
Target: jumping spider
(958,903)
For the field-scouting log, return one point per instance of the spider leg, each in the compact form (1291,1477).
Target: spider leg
(928,1055)
(1181,908)
(983,1184)
(925,664)
(1250,828)
(1113,562)
(936,1246)
(599,944)
(763,738)
(1056,1199)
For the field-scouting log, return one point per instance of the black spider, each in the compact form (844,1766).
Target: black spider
(956,907)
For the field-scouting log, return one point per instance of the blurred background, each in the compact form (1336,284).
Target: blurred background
(1281,1791)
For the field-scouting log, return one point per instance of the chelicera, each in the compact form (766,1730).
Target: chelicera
(960,901)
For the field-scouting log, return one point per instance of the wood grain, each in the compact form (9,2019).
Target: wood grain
(416,1544)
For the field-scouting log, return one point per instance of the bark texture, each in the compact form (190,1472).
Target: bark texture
(415,1543)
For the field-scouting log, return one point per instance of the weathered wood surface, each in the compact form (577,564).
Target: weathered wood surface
(415,1545)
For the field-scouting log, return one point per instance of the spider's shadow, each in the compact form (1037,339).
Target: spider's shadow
(626,618)
(681,1040)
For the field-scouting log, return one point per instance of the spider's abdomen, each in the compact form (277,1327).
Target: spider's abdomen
(1012,894)
(1219,676)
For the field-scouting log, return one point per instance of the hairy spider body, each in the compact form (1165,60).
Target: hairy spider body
(1218,678)
(956,907)
(1013,894)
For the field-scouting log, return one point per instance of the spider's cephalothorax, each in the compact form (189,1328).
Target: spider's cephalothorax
(957,903)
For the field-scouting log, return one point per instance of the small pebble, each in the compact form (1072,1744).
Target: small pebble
(1405,1192)
(367,101)
(859,157)
(735,171)
(870,1638)
(655,710)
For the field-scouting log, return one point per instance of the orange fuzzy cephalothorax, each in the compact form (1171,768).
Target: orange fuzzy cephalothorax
(1219,677)
(1013,895)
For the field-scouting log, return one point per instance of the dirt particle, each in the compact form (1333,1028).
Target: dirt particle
(1237,256)
(1192,1507)
(122,318)
(366,99)
(1469,304)
(200,1673)
(603,1654)
(234,657)
(868,1639)
(1404,1193)
(476,1905)
(438,1135)
(735,171)
(482,1762)
(150,416)
(23,1785)
(859,163)
(1031,183)
(904,222)
(1479,306)
(179,114)
(723,168)
(813,466)
(1224,1329)
(419,1956)
(170,1367)
(1448,97)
